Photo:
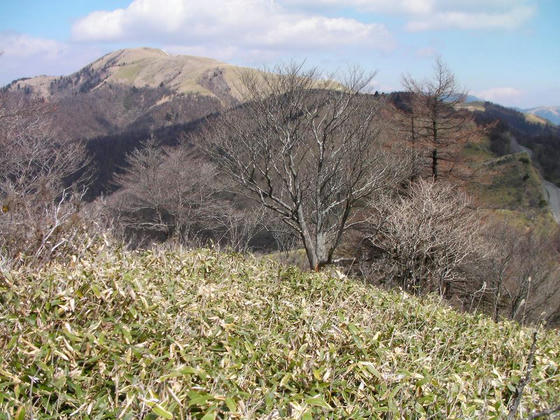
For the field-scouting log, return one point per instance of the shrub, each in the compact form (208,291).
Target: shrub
(424,240)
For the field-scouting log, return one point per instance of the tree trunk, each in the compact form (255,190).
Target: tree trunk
(434,164)
(310,251)
(435,141)
(415,170)
(497,297)
(308,242)
(322,250)
(317,250)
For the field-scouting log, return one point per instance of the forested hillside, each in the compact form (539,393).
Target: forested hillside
(542,139)
(304,162)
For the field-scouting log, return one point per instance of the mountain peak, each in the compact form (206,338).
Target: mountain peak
(132,54)
(150,67)
(143,68)
(146,87)
(146,54)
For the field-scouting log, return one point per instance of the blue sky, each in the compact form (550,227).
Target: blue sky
(506,51)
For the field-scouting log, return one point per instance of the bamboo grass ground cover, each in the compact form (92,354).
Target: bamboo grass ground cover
(200,334)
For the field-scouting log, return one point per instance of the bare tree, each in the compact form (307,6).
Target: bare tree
(435,125)
(40,186)
(164,192)
(523,270)
(236,227)
(500,261)
(307,148)
(285,238)
(424,240)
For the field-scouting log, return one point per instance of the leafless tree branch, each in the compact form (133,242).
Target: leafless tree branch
(308,149)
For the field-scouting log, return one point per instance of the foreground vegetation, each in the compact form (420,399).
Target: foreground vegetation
(199,334)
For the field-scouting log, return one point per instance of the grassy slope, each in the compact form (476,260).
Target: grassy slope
(513,184)
(202,334)
(509,187)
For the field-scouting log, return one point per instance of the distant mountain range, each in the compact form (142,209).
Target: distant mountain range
(550,113)
(539,114)
(146,88)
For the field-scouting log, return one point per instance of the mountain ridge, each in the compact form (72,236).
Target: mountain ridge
(138,67)
(129,95)
(549,113)
(140,88)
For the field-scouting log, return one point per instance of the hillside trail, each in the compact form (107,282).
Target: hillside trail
(552,193)
(550,190)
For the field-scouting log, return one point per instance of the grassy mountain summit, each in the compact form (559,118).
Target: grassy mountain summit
(131,89)
(140,68)
(550,113)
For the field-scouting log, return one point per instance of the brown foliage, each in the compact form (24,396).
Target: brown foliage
(436,127)
(172,194)
(523,271)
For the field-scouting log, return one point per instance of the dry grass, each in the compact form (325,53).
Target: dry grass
(206,335)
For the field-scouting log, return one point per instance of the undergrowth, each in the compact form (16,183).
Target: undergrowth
(200,334)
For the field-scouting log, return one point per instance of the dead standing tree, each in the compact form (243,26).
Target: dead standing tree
(164,193)
(435,122)
(307,149)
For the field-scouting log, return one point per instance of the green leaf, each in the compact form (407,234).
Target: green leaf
(198,398)
(189,371)
(318,401)
(20,414)
(307,415)
(95,291)
(162,412)
(210,415)
(12,342)
(353,329)
(231,405)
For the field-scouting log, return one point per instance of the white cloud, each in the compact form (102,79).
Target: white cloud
(440,14)
(381,6)
(501,95)
(105,27)
(473,20)
(246,24)
(26,56)
(19,45)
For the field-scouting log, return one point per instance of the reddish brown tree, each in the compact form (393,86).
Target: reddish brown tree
(436,125)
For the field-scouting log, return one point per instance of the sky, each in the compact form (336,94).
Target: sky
(506,51)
